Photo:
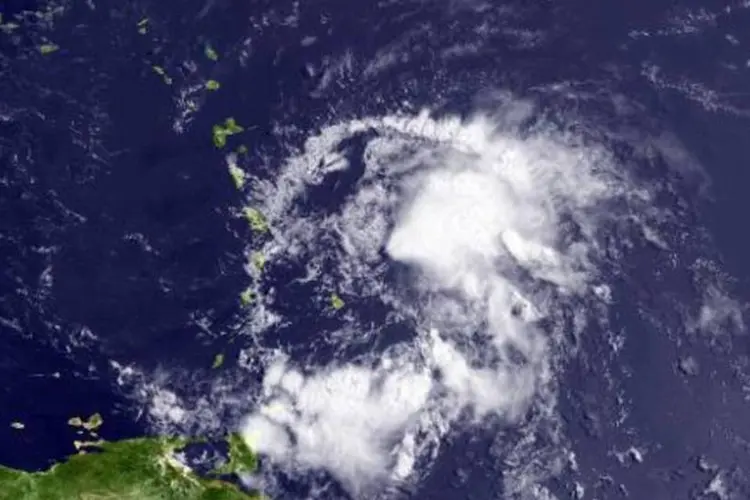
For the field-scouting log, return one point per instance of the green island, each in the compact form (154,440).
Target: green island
(337,302)
(241,459)
(258,260)
(256,219)
(247,297)
(94,422)
(48,48)
(218,361)
(238,175)
(222,131)
(210,53)
(135,469)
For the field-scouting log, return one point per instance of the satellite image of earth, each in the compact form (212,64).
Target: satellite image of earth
(385,249)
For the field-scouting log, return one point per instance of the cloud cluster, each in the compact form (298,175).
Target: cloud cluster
(482,217)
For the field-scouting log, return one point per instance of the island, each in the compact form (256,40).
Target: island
(337,302)
(222,131)
(91,424)
(256,219)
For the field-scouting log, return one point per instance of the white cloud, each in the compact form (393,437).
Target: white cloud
(477,214)
(719,313)
(345,419)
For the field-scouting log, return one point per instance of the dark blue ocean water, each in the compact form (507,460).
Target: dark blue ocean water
(92,173)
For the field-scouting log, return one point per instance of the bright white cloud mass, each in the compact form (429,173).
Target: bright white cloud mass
(487,249)
(498,230)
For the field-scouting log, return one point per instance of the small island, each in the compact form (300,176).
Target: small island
(337,302)
(222,131)
(256,219)
(91,424)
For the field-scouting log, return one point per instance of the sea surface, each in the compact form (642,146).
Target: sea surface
(123,255)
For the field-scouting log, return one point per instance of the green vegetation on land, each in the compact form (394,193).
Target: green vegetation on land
(134,469)
(48,48)
(213,85)
(247,297)
(218,361)
(94,422)
(336,302)
(222,131)
(210,53)
(241,459)
(258,260)
(238,175)
(256,220)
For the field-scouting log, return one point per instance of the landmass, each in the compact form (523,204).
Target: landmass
(218,361)
(91,424)
(222,131)
(48,48)
(133,469)
(256,220)
(241,459)
(258,260)
(247,297)
(238,175)
(210,53)
(336,302)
